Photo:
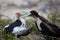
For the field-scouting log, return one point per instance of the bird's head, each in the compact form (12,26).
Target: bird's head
(18,14)
(34,13)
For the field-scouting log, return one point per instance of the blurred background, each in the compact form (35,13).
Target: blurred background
(49,9)
(9,7)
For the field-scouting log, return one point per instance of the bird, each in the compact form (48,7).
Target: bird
(45,26)
(18,27)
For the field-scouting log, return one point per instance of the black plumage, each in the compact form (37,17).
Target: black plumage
(12,25)
(47,27)
(18,28)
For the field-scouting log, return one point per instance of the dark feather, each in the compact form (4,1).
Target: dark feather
(12,25)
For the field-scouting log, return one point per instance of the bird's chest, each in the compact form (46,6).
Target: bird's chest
(38,23)
(19,29)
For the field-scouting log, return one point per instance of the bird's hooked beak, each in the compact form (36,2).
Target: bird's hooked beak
(29,15)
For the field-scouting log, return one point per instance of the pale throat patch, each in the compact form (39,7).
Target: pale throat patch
(38,23)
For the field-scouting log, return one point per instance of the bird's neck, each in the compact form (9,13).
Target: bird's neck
(43,19)
(19,17)
(37,22)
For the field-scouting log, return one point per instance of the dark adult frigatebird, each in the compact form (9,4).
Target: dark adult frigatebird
(46,27)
